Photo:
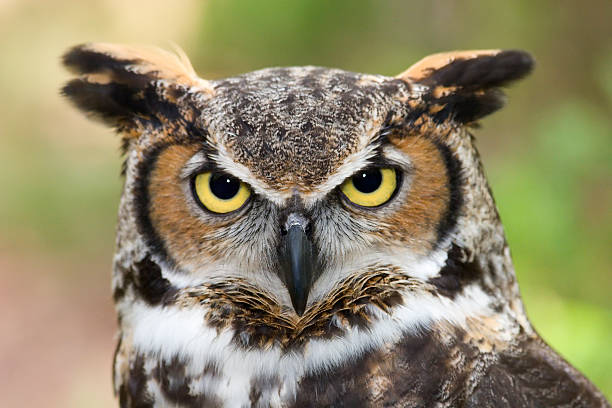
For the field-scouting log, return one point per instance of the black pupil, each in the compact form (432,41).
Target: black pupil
(367,181)
(224,186)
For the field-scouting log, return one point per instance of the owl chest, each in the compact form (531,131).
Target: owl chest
(215,376)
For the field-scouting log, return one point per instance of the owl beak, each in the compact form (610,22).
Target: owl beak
(297,261)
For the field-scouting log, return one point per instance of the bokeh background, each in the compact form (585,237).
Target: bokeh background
(548,156)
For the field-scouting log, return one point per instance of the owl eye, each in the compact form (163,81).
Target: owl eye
(219,192)
(371,187)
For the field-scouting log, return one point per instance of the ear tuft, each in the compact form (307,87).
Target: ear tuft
(484,71)
(116,61)
(111,102)
(466,83)
(118,82)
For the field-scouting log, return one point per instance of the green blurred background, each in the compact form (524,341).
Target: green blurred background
(548,156)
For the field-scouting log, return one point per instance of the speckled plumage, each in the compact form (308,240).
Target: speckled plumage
(413,303)
(271,119)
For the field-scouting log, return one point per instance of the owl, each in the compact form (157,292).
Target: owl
(305,237)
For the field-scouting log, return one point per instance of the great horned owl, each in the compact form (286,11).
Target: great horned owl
(314,237)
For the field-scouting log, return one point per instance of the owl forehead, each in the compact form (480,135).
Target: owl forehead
(293,127)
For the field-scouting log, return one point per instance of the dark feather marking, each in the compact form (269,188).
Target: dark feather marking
(115,354)
(456,273)
(134,394)
(123,396)
(119,292)
(412,117)
(85,61)
(125,145)
(145,278)
(116,101)
(150,284)
(485,71)
(455,182)
(110,101)
(466,106)
(261,387)
(142,202)
(174,383)
(160,107)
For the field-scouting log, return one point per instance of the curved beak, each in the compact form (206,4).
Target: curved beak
(297,261)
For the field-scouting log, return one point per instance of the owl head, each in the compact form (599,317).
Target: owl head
(293,203)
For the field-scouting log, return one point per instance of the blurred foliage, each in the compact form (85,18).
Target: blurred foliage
(548,153)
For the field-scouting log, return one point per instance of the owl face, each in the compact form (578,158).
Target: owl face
(292,194)
(291,158)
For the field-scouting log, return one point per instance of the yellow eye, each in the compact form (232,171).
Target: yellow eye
(370,188)
(219,192)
